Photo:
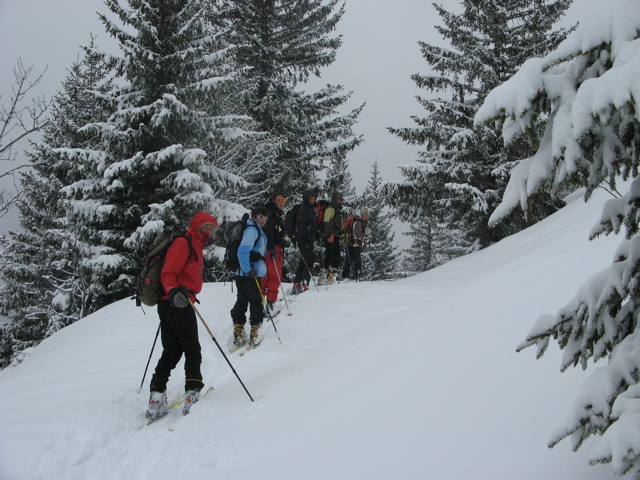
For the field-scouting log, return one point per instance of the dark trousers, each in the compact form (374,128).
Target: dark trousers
(307,259)
(248,296)
(352,262)
(179,334)
(332,254)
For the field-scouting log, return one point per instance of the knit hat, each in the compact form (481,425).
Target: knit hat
(337,196)
(364,211)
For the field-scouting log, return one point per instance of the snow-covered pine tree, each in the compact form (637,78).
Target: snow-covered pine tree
(419,256)
(459,178)
(46,276)
(165,146)
(339,179)
(283,43)
(590,83)
(380,251)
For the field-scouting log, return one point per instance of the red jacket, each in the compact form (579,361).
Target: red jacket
(183,265)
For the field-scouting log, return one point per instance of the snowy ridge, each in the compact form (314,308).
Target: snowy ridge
(411,379)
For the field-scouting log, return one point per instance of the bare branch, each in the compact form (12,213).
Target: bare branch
(19,118)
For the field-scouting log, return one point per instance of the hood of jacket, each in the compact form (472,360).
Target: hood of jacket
(307,194)
(197,221)
(200,218)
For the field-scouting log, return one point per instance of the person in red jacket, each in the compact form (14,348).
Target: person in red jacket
(182,280)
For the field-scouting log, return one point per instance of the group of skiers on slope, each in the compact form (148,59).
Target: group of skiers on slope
(334,236)
(258,279)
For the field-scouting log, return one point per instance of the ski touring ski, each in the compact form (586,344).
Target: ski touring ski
(180,401)
(235,348)
(173,405)
(250,347)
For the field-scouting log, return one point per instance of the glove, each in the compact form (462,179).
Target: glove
(273,253)
(331,238)
(253,273)
(179,297)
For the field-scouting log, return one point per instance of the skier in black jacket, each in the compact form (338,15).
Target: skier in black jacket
(276,243)
(305,235)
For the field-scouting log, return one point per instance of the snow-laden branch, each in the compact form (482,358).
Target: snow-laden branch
(589,84)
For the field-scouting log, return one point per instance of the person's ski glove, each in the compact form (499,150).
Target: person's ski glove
(179,297)
(253,273)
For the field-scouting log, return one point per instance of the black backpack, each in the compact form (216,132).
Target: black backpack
(233,237)
(149,285)
(290,221)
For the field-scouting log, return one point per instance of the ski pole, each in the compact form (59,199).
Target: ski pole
(266,306)
(281,287)
(148,361)
(219,348)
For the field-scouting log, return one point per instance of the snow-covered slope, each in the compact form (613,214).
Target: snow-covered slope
(414,379)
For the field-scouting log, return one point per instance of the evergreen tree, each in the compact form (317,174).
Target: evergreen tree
(460,177)
(284,42)
(592,137)
(418,257)
(47,281)
(381,252)
(339,179)
(169,141)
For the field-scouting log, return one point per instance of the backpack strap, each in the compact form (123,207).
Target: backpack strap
(191,249)
(247,225)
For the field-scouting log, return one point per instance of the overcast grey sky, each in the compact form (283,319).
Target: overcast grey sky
(378,57)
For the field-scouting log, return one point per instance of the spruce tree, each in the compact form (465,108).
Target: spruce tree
(461,175)
(168,144)
(339,179)
(419,256)
(47,278)
(283,43)
(591,138)
(379,257)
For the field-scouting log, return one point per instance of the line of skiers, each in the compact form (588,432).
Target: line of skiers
(258,278)
(314,221)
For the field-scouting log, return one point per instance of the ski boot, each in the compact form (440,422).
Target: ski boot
(268,309)
(157,406)
(238,334)
(190,397)
(253,336)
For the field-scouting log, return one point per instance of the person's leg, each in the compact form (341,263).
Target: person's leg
(171,348)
